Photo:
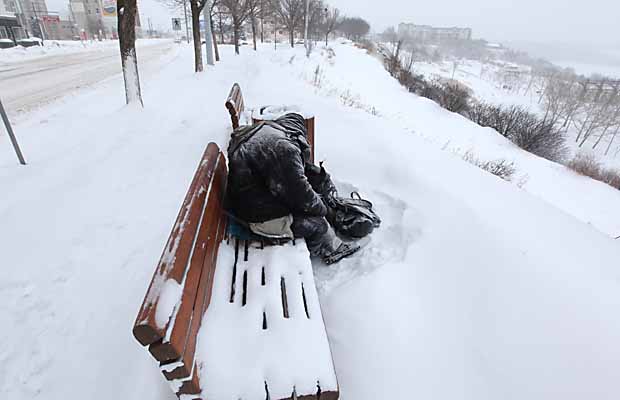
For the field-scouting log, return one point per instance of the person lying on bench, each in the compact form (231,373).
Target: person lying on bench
(268,187)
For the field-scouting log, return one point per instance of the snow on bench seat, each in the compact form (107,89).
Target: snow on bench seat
(231,323)
(263,336)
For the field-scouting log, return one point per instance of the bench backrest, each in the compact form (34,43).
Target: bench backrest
(180,290)
(234,104)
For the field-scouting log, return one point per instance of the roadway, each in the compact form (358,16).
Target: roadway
(32,82)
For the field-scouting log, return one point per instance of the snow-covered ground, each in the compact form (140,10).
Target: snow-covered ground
(472,288)
(65,47)
(489,82)
(34,76)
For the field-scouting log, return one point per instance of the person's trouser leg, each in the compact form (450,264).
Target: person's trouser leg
(319,235)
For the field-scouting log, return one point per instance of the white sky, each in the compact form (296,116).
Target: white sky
(574,21)
(544,21)
(573,30)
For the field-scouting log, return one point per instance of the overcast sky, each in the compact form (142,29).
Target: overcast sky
(584,22)
(559,30)
(589,22)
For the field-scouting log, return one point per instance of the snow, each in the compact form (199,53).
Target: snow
(65,47)
(472,288)
(167,301)
(274,112)
(237,356)
(132,80)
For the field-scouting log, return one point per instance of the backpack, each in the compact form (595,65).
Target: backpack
(352,217)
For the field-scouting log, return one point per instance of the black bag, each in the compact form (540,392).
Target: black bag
(352,217)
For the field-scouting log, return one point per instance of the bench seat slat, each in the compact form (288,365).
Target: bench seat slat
(238,356)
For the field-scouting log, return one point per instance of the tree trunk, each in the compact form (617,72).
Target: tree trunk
(236,35)
(254,31)
(262,21)
(326,37)
(217,51)
(292,36)
(196,36)
(127,11)
(612,140)
(221,29)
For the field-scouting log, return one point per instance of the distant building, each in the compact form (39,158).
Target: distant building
(8,7)
(31,12)
(94,18)
(11,31)
(428,33)
(57,28)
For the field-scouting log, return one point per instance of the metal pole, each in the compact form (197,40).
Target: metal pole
(7,123)
(186,23)
(208,33)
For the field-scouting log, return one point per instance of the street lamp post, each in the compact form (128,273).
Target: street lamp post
(186,23)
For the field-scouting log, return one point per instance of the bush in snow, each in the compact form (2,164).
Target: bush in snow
(523,128)
(611,177)
(367,45)
(500,168)
(452,95)
(586,164)
(539,137)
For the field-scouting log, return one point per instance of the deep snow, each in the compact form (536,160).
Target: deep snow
(471,289)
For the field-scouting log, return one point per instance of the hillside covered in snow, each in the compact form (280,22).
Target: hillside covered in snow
(473,287)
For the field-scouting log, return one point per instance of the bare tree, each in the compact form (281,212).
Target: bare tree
(196,7)
(127,11)
(330,22)
(254,10)
(211,14)
(291,14)
(390,36)
(313,15)
(239,12)
(354,28)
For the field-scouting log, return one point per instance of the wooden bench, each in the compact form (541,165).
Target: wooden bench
(232,319)
(180,291)
(236,107)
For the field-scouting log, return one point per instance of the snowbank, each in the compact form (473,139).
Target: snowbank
(471,289)
(65,47)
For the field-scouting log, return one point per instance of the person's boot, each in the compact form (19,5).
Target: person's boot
(344,250)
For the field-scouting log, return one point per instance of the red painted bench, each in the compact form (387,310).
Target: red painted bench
(228,319)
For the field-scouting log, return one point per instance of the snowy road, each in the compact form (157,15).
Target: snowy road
(30,83)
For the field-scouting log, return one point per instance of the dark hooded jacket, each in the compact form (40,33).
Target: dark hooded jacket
(266,178)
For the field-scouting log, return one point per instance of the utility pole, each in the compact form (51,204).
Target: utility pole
(208,33)
(186,23)
(7,124)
